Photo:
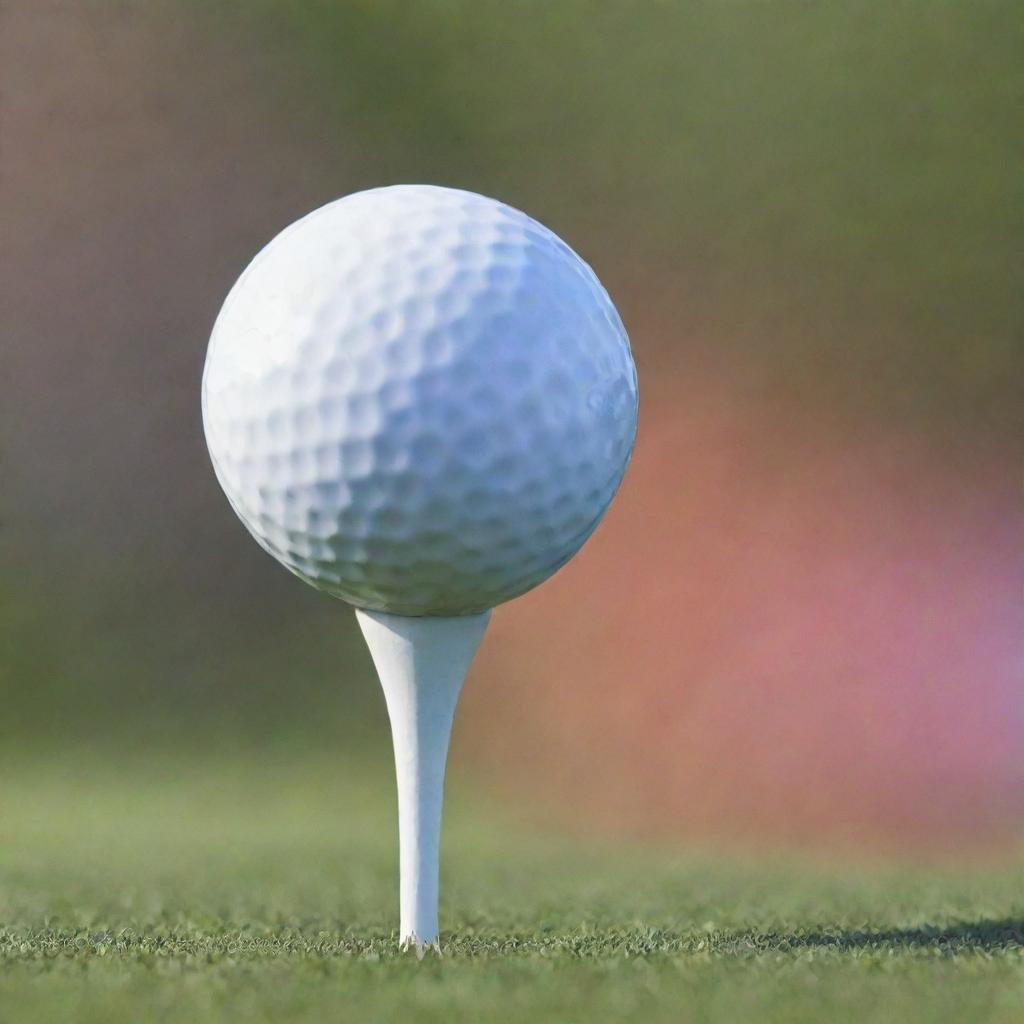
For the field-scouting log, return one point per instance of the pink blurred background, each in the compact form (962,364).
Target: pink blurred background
(784,630)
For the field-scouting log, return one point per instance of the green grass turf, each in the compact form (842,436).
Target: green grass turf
(258,890)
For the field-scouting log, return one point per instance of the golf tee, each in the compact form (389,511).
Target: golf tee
(422,664)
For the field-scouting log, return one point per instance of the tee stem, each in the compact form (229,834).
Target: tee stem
(422,663)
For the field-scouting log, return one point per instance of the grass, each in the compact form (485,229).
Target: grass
(231,889)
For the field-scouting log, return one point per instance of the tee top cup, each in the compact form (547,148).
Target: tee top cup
(421,401)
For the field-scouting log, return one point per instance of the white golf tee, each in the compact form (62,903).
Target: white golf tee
(422,663)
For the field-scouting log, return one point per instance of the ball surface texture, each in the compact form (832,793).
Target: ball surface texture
(419,400)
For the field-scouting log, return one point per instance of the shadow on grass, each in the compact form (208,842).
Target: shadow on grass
(966,937)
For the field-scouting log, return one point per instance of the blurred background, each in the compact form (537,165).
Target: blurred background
(801,622)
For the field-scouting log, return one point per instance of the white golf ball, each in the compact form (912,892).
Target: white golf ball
(419,400)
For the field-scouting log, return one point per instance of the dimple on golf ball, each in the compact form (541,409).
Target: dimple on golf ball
(419,400)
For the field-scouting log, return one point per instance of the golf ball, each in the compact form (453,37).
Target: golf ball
(419,400)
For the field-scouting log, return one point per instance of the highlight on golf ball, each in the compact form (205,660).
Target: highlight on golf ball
(419,400)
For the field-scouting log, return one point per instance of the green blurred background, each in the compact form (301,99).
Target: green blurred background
(800,623)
